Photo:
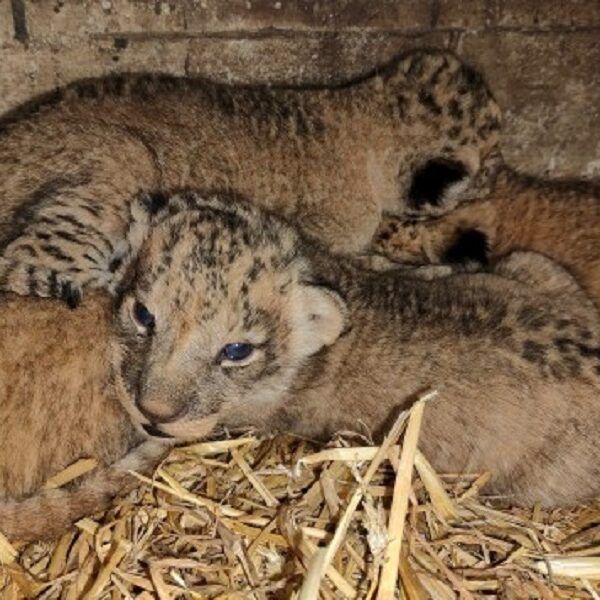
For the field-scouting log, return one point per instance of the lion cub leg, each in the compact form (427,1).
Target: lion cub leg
(464,235)
(50,512)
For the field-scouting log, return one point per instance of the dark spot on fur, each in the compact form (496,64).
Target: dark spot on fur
(153,202)
(470,76)
(454,132)
(28,248)
(588,351)
(116,85)
(93,210)
(90,258)
(53,287)
(534,352)
(504,331)
(67,236)
(88,91)
(70,295)
(71,220)
(114,264)
(563,344)
(433,179)
(454,109)
(470,245)
(428,101)
(56,253)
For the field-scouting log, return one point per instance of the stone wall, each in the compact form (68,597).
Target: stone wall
(541,58)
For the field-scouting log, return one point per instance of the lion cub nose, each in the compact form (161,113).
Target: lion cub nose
(160,409)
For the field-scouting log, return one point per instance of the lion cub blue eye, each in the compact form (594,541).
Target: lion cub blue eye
(237,351)
(143,316)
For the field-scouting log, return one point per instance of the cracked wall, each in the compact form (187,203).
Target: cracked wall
(542,59)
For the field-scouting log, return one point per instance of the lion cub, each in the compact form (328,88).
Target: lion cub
(331,159)
(559,219)
(59,403)
(230,312)
(230,316)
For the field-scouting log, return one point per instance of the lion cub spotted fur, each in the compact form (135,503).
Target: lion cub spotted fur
(331,159)
(559,219)
(514,353)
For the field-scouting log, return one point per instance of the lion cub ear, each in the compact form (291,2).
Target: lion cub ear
(320,316)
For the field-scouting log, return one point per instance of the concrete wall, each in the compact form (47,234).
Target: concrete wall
(541,57)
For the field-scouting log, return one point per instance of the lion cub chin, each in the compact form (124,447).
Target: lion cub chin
(229,311)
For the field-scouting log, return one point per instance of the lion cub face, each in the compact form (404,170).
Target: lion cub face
(219,316)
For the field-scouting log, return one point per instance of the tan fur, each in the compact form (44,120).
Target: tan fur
(332,159)
(57,405)
(559,219)
(48,513)
(515,353)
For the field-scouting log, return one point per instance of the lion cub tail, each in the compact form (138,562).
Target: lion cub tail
(49,513)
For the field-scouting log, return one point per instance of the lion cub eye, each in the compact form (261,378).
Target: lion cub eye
(237,351)
(143,317)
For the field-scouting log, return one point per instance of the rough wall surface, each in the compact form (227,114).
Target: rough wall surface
(542,59)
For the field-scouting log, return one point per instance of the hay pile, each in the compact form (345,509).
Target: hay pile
(282,518)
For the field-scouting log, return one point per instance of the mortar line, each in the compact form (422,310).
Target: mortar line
(19,20)
(273,32)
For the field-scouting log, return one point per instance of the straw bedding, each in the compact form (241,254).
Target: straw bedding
(281,517)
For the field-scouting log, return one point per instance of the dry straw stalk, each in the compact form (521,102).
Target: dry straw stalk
(282,517)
